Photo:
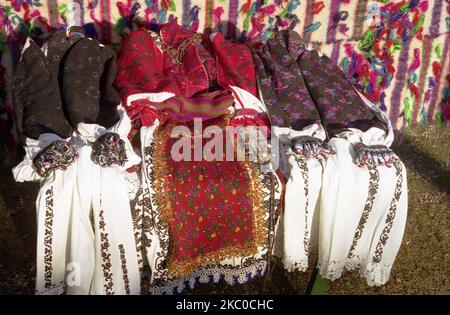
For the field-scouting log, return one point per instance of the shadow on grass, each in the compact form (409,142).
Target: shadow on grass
(430,168)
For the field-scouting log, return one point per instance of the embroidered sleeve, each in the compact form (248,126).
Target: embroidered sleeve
(235,65)
(283,89)
(374,155)
(337,100)
(109,150)
(308,143)
(371,147)
(140,66)
(58,155)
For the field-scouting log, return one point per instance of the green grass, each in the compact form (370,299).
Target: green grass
(422,265)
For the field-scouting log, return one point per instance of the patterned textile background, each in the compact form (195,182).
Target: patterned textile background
(396,52)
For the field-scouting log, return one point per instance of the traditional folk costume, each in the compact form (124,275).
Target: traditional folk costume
(345,188)
(202,220)
(75,134)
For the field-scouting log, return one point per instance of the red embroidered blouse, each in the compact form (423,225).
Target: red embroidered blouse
(199,72)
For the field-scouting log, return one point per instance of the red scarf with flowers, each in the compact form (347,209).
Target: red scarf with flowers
(197,70)
(214,210)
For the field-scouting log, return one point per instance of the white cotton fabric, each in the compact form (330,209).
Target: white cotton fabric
(363,210)
(339,205)
(372,136)
(297,234)
(87,257)
(245,99)
(53,205)
(353,196)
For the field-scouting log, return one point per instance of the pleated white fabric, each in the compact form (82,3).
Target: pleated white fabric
(297,233)
(85,241)
(363,210)
(362,216)
(356,214)
(53,205)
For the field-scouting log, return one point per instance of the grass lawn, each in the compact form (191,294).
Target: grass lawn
(422,265)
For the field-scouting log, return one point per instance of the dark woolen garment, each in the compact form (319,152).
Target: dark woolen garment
(300,87)
(37,102)
(72,83)
(282,85)
(88,93)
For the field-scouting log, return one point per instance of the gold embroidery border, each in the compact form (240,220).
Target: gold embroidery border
(163,207)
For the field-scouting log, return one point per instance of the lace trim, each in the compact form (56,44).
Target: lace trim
(232,276)
(56,289)
(133,182)
(292,264)
(376,274)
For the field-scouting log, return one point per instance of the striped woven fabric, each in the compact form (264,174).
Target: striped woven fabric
(395,52)
(206,106)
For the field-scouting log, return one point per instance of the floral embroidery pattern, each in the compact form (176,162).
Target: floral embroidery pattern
(142,221)
(108,150)
(336,99)
(282,85)
(304,170)
(210,218)
(58,155)
(391,214)
(157,226)
(374,180)
(48,239)
(300,87)
(106,256)
(123,261)
(241,270)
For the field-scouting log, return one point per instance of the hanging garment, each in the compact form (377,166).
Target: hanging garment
(294,117)
(53,205)
(203,220)
(351,187)
(297,233)
(85,242)
(195,73)
(363,208)
(101,196)
(88,93)
(36,88)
